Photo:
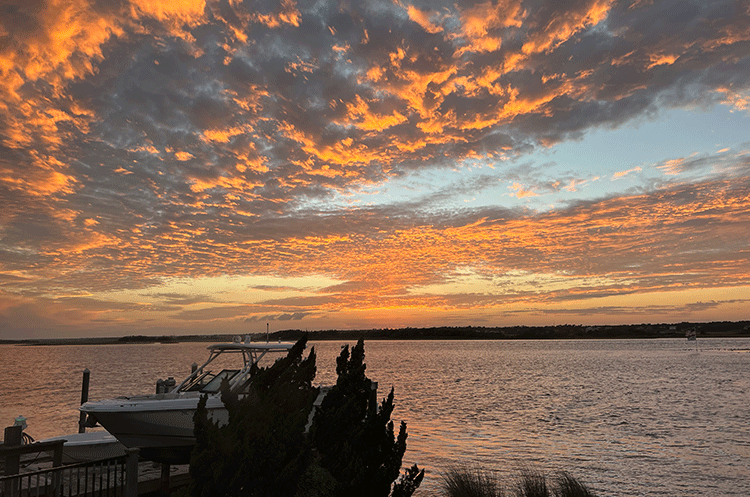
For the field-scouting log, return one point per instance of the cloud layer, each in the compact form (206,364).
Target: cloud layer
(143,142)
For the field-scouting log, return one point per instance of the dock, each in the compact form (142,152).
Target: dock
(36,470)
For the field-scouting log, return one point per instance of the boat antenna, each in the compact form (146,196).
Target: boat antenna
(266,332)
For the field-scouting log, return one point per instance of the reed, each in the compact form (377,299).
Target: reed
(567,486)
(532,483)
(461,481)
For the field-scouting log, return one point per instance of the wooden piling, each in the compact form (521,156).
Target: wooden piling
(13,438)
(164,486)
(131,472)
(84,399)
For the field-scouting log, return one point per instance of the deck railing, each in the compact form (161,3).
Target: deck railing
(114,477)
(105,478)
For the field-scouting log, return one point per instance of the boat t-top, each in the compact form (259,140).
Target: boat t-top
(161,424)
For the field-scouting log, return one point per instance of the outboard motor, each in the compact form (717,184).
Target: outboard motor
(164,386)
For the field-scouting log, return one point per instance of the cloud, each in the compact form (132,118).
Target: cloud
(213,313)
(684,236)
(297,118)
(672,167)
(423,19)
(143,140)
(521,192)
(724,162)
(622,174)
(296,316)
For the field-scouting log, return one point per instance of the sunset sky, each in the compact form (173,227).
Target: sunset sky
(209,167)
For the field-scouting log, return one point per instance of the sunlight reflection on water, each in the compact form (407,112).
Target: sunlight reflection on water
(627,417)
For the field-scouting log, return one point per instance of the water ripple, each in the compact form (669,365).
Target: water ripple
(627,417)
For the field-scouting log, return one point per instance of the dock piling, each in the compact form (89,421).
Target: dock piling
(13,437)
(164,485)
(84,399)
(131,472)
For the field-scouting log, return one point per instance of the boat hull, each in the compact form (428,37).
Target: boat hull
(92,446)
(161,428)
(161,425)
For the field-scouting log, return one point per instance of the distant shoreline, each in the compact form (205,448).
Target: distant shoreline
(717,329)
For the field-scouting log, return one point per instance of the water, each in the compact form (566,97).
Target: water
(627,417)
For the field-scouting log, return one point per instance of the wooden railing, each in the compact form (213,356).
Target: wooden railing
(115,477)
(105,478)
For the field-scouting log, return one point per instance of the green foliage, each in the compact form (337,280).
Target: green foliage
(265,451)
(262,451)
(316,482)
(356,440)
(408,483)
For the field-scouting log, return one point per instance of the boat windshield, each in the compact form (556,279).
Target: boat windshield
(208,382)
(203,380)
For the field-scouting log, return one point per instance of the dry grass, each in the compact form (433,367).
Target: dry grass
(460,481)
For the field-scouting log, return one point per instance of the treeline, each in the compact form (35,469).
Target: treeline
(561,331)
(663,330)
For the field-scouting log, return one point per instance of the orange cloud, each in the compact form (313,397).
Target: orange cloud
(361,116)
(308,115)
(574,184)
(729,35)
(622,174)
(225,135)
(660,59)
(564,25)
(63,45)
(521,192)
(737,100)
(479,20)
(63,31)
(670,167)
(337,159)
(413,86)
(423,19)
(178,13)
(46,177)
(183,156)
(691,236)
(288,14)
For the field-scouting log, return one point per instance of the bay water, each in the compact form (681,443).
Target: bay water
(659,417)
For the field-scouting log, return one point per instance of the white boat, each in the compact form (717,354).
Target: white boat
(91,446)
(161,424)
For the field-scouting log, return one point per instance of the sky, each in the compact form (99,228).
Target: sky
(192,166)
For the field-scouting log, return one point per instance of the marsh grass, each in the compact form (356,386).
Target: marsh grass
(567,486)
(532,484)
(461,481)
